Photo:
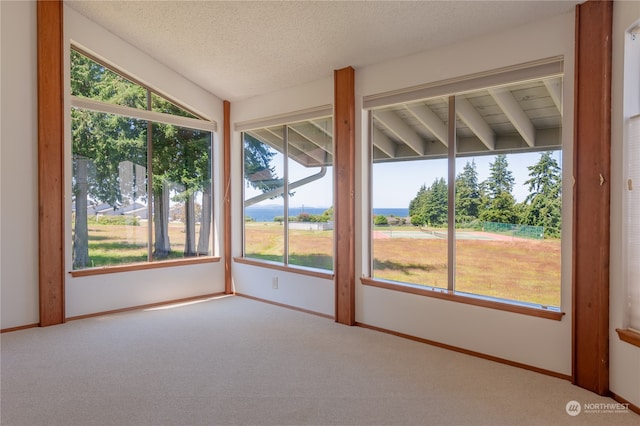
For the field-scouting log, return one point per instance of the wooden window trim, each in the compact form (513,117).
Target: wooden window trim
(453,296)
(142,266)
(630,336)
(286,268)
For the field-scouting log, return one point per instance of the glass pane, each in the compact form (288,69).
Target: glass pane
(109,187)
(181,161)
(410,196)
(94,81)
(160,104)
(263,194)
(310,173)
(508,220)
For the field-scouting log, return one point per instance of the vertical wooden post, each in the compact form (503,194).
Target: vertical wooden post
(227,195)
(344,208)
(592,152)
(50,162)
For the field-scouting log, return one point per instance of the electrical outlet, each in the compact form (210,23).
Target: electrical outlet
(274,283)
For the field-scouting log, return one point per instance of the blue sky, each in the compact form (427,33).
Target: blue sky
(395,184)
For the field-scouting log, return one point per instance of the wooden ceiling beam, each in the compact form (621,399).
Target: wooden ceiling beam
(476,123)
(430,120)
(505,100)
(402,130)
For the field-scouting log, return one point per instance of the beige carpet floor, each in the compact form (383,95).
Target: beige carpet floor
(236,361)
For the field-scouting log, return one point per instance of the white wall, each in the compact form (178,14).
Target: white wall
(624,359)
(85,295)
(18,166)
(302,291)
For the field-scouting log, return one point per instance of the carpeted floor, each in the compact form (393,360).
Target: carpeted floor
(232,360)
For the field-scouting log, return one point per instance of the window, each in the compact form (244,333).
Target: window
(141,173)
(288,193)
(466,191)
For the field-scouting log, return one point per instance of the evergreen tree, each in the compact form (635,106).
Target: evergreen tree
(416,207)
(430,205)
(436,203)
(468,200)
(544,202)
(500,177)
(103,143)
(499,205)
(100,142)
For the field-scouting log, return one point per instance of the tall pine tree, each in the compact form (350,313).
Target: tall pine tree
(499,204)
(544,202)
(467,194)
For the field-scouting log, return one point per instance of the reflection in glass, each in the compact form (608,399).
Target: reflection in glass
(109,187)
(181,161)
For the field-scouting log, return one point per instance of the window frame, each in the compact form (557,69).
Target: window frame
(284,120)
(151,117)
(545,68)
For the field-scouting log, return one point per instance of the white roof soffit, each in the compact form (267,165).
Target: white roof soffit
(523,116)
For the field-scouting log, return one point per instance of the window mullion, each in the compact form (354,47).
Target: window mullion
(451,199)
(285,194)
(150,199)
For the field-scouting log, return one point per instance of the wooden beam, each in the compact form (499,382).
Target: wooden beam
(383,143)
(591,220)
(554,87)
(515,114)
(344,209)
(226,105)
(406,134)
(476,123)
(51,186)
(430,120)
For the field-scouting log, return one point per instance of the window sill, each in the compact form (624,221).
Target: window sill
(630,336)
(287,268)
(541,312)
(141,266)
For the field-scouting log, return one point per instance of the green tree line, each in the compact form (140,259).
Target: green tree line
(492,200)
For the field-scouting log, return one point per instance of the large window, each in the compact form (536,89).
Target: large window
(467,193)
(288,194)
(141,179)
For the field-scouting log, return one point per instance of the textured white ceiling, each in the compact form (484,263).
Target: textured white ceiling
(239,49)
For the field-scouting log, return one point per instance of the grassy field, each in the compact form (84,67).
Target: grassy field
(515,269)
(122,244)
(265,240)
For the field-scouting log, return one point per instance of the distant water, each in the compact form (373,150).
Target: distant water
(267,213)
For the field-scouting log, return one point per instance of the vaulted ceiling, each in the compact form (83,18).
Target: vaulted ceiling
(240,49)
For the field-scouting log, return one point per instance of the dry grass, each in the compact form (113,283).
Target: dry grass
(522,270)
(517,269)
(265,240)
